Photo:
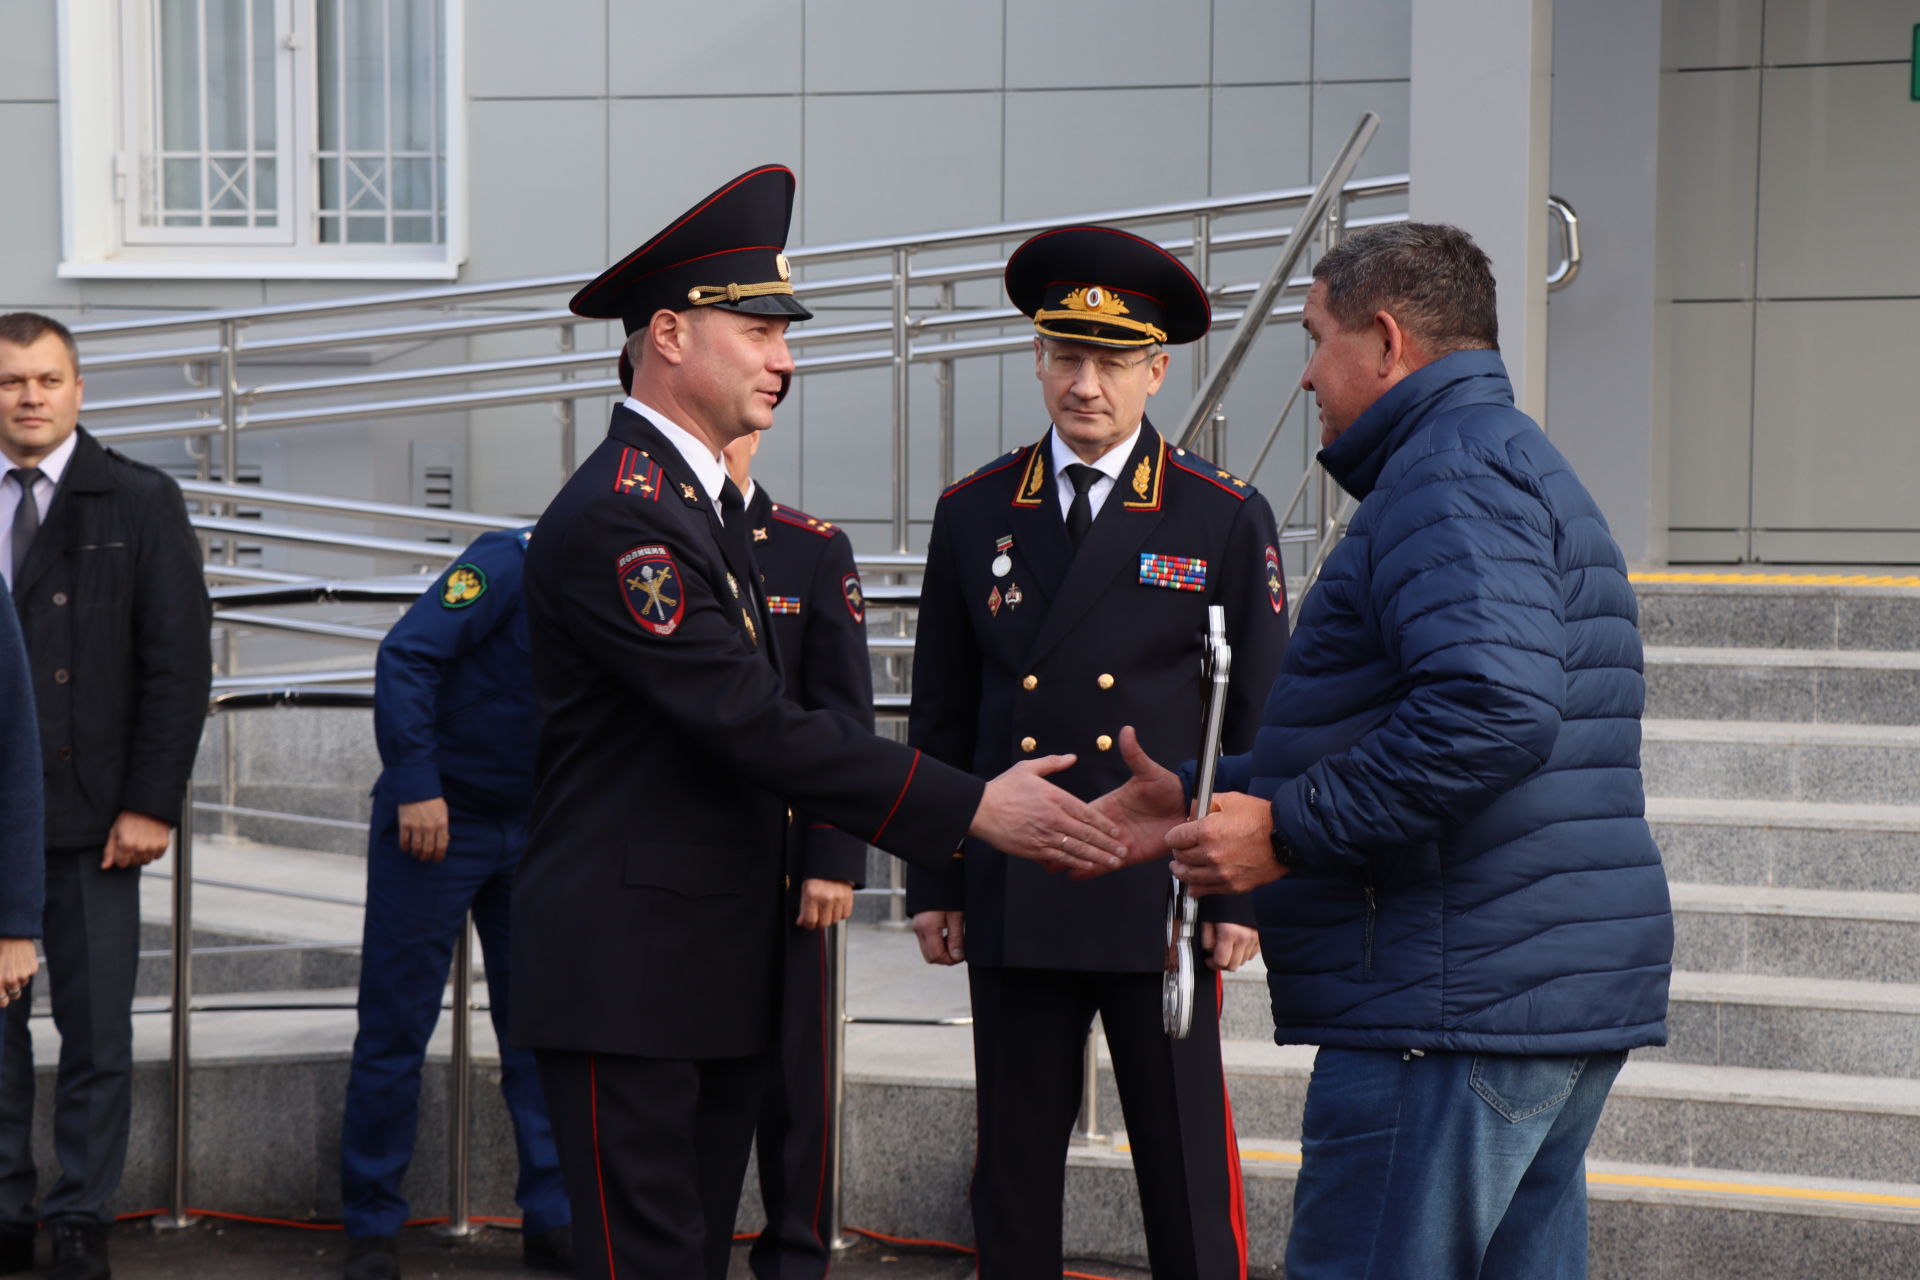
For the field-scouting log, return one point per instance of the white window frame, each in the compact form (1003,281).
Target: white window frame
(102,116)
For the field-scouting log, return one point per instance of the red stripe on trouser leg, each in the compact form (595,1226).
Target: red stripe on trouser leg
(1238,1206)
(826,1092)
(593,1105)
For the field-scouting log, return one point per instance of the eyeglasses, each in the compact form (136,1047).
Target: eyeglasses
(1068,365)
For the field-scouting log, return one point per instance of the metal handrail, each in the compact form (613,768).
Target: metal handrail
(252,495)
(458,295)
(1327,199)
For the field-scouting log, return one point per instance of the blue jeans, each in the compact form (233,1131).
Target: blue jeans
(415,911)
(1446,1166)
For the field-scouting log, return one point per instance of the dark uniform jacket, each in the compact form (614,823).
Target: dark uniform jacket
(819,621)
(453,709)
(115,614)
(1061,651)
(23,863)
(648,913)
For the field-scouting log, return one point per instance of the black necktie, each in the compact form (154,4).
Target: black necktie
(733,528)
(1080,514)
(26,516)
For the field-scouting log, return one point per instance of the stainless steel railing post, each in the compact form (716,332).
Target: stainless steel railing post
(1087,1127)
(837,1083)
(1203,272)
(902,373)
(564,411)
(177,1216)
(459,1224)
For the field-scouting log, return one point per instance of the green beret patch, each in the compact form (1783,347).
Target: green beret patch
(465,584)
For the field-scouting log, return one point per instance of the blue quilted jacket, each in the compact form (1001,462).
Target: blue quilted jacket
(1453,749)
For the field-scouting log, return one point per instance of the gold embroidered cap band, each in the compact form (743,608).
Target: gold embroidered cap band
(1107,287)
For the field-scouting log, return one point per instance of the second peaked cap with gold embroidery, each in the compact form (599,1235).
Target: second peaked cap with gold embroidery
(1106,286)
(726,252)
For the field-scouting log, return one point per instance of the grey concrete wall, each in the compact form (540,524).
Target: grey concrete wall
(1790,162)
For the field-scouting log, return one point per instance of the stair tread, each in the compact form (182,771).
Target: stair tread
(1808,814)
(1780,733)
(1835,904)
(1849,659)
(1819,993)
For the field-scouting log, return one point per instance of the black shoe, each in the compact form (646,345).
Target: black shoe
(549,1250)
(79,1252)
(372,1258)
(16,1249)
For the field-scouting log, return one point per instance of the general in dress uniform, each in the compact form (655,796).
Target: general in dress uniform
(649,914)
(1066,596)
(454,720)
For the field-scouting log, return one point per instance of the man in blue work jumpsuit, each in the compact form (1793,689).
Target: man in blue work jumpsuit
(456,726)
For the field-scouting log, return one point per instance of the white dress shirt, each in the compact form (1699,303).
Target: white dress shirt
(709,470)
(52,467)
(1109,467)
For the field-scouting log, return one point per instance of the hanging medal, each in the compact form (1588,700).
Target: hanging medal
(1002,562)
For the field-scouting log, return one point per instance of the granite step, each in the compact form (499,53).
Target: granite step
(1647,1221)
(1768,760)
(1803,1123)
(1790,932)
(1795,685)
(1779,615)
(1789,844)
(1731,1019)
(1794,1024)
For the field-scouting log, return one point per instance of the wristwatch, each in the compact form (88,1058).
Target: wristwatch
(1282,851)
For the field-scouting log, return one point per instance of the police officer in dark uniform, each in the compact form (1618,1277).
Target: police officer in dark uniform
(819,618)
(650,909)
(1066,596)
(455,723)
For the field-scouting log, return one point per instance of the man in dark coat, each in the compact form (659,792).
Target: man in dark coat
(1066,595)
(454,719)
(105,573)
(648,914)
(818,617)
(23,861)
(1473,923)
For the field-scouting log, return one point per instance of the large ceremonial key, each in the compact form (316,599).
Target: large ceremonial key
(1176,990)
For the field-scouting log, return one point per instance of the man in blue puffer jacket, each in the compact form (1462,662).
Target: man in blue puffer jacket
(1473,922)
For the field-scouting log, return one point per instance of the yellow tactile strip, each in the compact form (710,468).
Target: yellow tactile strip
(1783,579)
(1765,1190)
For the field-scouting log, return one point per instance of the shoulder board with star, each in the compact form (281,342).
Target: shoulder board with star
(1219,477)
(1000,463)
(638,475)
(801,520)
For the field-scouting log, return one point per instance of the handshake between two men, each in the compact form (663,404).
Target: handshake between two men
(1142,820)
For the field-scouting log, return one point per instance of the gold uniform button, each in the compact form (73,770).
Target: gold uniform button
(789,816)
(1103,742)
(1030,683)
(1105,682)
(788,880)
(1028,744)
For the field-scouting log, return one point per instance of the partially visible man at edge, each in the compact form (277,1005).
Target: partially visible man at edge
(647,917)
(23,862)
(105,573)
(1473,922)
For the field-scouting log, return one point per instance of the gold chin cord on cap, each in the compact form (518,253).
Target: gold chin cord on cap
(705,295)
(1092,304)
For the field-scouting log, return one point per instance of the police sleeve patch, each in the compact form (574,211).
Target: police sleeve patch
(1276,581)
(856,601)
(464,584)
(650,583)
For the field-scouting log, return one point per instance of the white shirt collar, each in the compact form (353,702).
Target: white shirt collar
(708,469)
(54,465)
(1110,463)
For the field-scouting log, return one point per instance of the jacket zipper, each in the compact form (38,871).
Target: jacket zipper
(1366,955)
